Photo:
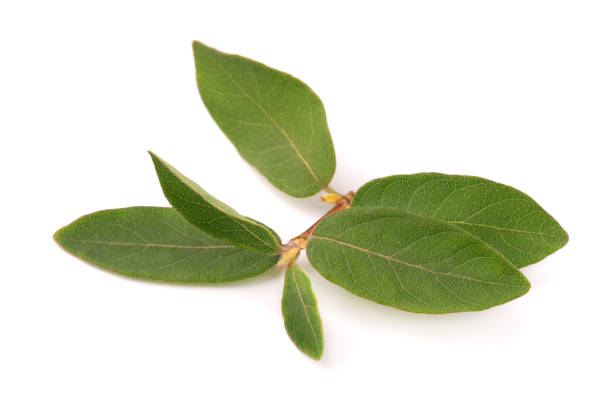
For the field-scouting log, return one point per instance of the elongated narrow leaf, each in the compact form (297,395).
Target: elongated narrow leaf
(158,244)
(211,215)
(412,262)
(300,312)
(275,121)
(505,218)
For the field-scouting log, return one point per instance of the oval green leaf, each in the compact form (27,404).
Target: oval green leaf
(300,312)
(158,244)
(505,218)
(211,215)
(412,262)
(275,121)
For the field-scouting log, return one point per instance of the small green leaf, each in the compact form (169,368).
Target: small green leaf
(412,262)
(275,121)
(505,218)
(299,307)
(158,244)
(211,215)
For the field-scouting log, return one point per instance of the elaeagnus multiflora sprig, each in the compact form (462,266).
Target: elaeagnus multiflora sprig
(425,242)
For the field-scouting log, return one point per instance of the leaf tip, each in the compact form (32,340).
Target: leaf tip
(524,286)
(317,354)
(527,285)
(196,46)
(313,353)
(60,237)
(316,357)
(57,235)
(155,158)
(199,48)
(564,237)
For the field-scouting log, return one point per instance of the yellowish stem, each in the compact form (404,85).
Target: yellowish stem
(290,251)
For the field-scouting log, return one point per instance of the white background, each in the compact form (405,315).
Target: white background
(518,92)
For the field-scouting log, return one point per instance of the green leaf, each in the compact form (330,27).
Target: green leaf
(158,244)
(299,307)
(412,262)
(275,121)
(505,218)
(211,215)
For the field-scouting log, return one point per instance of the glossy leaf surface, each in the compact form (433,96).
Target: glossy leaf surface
(158,244)
(505,218)
(300,312)
(412,262)
(211,215)
(275,121)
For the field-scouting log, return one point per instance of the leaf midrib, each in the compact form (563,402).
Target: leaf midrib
(299,293)
(151,244)
(419,267)
(499,228)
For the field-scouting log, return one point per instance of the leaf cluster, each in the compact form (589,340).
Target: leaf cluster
(426,243)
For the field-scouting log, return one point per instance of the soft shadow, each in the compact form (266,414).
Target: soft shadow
(538,274)
(350,175)
(311,205)
(488,326)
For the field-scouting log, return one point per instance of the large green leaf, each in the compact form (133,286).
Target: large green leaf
(505,218)
(276,122)
(211,215)
(158,244)
(299,307)
(412,262)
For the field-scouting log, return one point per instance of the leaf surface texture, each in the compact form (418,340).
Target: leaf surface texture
(505,218)
(158,244)
(411,262)
(300,312)
(275,121)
